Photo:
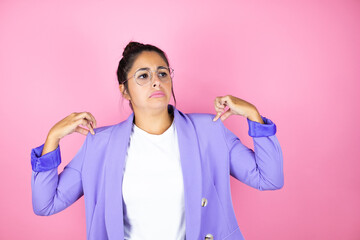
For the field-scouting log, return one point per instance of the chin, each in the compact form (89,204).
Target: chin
(158,103)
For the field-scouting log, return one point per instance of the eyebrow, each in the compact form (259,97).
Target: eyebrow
(159,67)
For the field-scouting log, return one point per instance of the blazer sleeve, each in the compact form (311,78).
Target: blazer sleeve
(52,193)
(261,169)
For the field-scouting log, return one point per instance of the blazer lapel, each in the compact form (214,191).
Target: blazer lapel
(115,159)
(191,169)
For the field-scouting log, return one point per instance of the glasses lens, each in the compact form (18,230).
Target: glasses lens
(171,72)
(164,74)
(142,77)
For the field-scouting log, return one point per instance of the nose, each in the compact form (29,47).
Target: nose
(155,81)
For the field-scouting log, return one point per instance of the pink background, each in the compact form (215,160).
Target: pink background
(298,62)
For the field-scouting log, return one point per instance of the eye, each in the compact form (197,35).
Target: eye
(143,76)
(163,74)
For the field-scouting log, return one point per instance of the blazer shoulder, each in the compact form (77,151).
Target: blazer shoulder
(208,131)
(104,129)
(101,133)
(203,117)
(196,117)
(205,120)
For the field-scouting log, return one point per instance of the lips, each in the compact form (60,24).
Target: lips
(157,94)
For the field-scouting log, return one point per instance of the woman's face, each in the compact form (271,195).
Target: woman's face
(140,96)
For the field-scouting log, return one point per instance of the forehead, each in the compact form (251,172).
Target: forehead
(148,59)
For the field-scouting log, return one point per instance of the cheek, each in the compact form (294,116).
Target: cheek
(169,87)
(139,94)
(136,92)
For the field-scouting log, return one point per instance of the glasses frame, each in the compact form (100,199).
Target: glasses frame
(171,73)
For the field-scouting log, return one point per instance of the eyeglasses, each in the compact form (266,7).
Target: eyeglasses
(144,76)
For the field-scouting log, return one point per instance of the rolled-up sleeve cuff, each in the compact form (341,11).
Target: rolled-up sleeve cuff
(46,162)
(257,129)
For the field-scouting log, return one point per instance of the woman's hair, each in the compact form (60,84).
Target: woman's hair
(131,52)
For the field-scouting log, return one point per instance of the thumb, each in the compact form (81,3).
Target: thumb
(226,114)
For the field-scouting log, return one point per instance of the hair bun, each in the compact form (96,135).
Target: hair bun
(131,47)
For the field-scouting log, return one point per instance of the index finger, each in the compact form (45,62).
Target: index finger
(93,119)
(88,116)
(217,116)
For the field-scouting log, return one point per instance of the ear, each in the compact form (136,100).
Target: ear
(124,92)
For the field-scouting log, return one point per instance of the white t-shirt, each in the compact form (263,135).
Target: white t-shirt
(153,189)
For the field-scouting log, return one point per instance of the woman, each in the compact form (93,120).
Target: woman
(160,174)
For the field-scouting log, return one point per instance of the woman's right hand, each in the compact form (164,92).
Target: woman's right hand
(72,124)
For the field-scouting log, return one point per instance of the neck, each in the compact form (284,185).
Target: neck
(153,122)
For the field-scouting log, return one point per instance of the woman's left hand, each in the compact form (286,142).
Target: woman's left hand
(236,106)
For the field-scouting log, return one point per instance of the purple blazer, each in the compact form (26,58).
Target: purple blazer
(209,154)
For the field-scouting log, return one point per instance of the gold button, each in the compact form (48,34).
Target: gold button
(209,237)
(203,202)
